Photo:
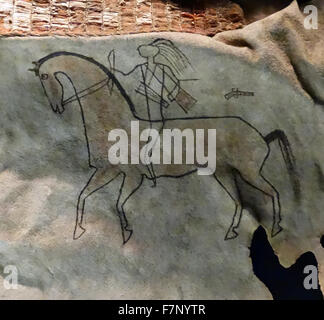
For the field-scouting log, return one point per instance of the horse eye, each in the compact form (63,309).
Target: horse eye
(44,76)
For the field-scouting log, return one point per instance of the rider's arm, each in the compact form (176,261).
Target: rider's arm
(111,61)
(125,73)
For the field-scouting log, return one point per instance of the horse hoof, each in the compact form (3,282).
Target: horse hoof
(275,230)
(127,235)
(78,232)
(231,234)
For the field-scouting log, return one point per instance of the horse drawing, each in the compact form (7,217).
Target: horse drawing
(72,79)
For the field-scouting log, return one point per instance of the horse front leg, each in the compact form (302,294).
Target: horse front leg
(99,179)
(128,187)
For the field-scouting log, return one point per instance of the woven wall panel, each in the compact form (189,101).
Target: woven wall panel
(107,17)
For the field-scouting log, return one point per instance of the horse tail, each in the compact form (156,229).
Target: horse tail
(288,157)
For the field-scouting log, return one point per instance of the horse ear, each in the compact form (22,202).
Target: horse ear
(36,68)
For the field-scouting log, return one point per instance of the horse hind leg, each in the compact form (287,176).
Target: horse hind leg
(228,183)
(259,182)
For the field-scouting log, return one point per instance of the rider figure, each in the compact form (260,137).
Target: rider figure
(159,83)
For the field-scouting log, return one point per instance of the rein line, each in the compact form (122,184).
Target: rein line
(85,92)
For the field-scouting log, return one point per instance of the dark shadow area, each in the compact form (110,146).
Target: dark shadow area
(258,9)
(253,9)
(283,283)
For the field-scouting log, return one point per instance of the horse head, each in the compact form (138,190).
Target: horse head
(53,83)
(60,73)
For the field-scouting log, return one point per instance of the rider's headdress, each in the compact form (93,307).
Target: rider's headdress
(170,55)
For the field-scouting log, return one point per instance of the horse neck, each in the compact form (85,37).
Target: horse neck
(80,71)
(115,106)
(88,71)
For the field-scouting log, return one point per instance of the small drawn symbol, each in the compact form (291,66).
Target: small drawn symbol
(235,92)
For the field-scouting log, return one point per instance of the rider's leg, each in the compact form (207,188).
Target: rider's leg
(158,126)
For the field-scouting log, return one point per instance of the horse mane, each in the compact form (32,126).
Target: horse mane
(99,65)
